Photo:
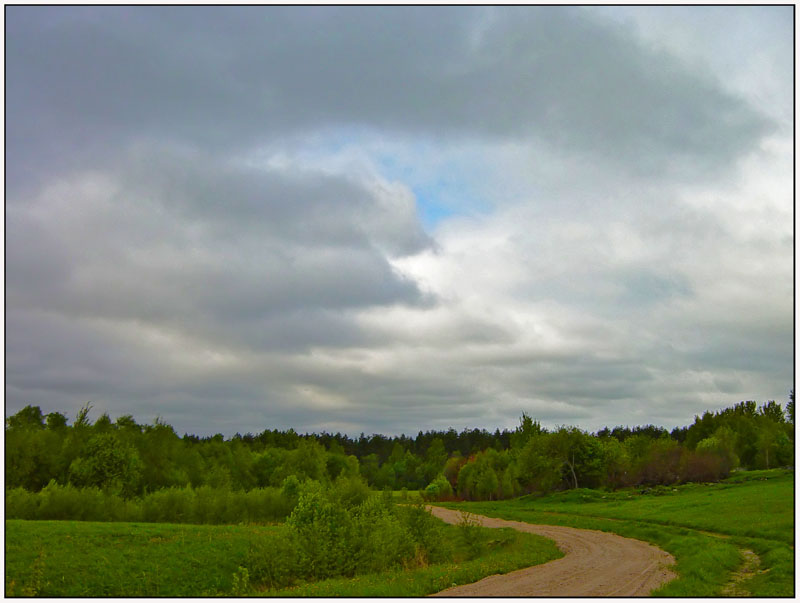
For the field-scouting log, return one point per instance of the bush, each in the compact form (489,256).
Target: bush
(55,501)
(471,534)
(273,561)
(350,491)
(426,532)
(703,466)
(265,505)
(325,538)
(323,531)
(204,505)
(21,504)
(438,489)
(379,541)
(171,505)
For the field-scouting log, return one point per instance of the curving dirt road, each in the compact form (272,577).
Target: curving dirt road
(595,564)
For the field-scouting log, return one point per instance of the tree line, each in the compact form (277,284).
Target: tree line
(130,460)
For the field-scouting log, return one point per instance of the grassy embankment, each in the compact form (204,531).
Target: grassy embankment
(704,526)
(91,559)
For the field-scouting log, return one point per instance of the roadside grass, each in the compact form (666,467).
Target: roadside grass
(99,559)
(703,526)
(506,550)
(756,504)
(406,496)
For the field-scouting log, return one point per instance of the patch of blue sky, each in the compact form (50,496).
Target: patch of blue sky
(446,182)
(431,210)
(442,188)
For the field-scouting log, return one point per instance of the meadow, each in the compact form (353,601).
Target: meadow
(121,559)
(704,526)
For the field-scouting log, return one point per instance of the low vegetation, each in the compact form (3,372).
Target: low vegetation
(372,549)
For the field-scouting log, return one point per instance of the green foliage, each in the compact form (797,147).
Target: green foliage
(29,417)
(85,559)
(438,489)
(326,538)
(107,463)
(426,532)
(350,491)
(471,535)
(515,550)
(272,560)
(537,470)
(169,505)
(241,582)
(133,460)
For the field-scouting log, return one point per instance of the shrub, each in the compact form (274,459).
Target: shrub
(438,489)
(701,466)
(173,505)
(378,540)
(325,538)
(425,531)
(21,504)
(265,505)
(323,533)
(273,561)
(472,537)
(350,491)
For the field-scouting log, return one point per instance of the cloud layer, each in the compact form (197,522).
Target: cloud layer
(215,215)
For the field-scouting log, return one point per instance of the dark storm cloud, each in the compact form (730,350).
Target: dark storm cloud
(82,80)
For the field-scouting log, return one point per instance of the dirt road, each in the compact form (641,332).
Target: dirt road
(595,564)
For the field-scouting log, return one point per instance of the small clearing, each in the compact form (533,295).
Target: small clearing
(595,564)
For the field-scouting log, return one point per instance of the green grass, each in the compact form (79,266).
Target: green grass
(406,496)
(758,505)
(94,559)
(703,526)
(508,550)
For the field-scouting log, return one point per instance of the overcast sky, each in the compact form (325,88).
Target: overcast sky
(393,219)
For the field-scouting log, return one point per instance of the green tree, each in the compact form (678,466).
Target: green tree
(616,462)
(772,411)
(526,429)
(109,464)
(56,421)
(29,417)
(537,470)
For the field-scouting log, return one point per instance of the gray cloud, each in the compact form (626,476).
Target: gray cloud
(211,215)
(82,79)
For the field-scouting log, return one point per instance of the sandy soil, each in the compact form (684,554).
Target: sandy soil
(595,564)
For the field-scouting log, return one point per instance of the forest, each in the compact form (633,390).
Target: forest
(122,470)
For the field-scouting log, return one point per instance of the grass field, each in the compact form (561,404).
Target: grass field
(92,559)
(705,526)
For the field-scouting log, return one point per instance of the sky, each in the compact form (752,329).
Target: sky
(396,219)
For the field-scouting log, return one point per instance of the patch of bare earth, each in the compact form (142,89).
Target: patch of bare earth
(595,564)
(748,569)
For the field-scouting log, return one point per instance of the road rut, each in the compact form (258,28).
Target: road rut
(595,564)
